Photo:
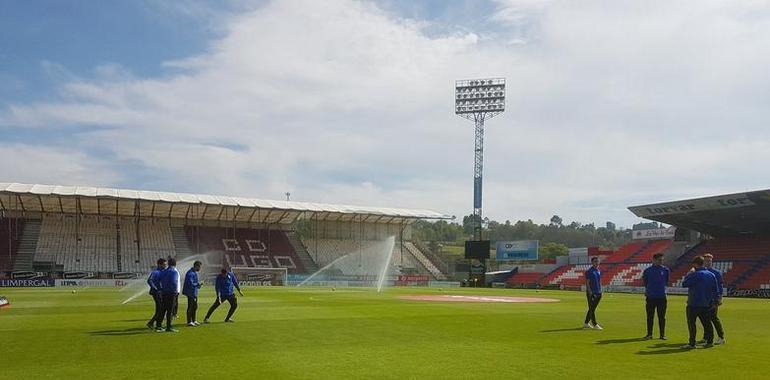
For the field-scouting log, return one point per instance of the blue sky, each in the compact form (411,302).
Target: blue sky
(44,42)
(609,104)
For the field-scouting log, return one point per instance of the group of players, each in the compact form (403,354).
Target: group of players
(165,287)
(704,283)
(704,296)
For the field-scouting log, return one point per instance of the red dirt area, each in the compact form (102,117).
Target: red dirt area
(489,299)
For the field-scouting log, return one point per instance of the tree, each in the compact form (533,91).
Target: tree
(551,250)
(573,235)
(437,231)
(470,223)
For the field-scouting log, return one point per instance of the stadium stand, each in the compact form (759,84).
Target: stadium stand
(739,258)
(92,243)
(568,275)
(650,249)
(549,279)
(181,244)
(612,273)
(115,233)
(301,250)
(730,271)
(682,265)
(255,248)
(629,272)
(434,257)
(141,247)
(10,235)
(424,261)
(738,227)
(72,244)
(524,279)
(326,251)
(405,262)
(622,267)
(624,253)
(628,275)
(758,277)
(348,257)
(25,254)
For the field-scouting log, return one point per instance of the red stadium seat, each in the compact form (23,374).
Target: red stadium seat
(622,267)
(649,250)
(525,279)
(624,253)
(743,260)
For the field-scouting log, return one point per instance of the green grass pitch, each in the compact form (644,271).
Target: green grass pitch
(316,333)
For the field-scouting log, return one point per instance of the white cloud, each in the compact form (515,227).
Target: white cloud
(609,105)
(39,164)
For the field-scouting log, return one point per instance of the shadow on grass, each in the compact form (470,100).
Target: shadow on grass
(614,341)
(665,349)
(563,330)
(131,331)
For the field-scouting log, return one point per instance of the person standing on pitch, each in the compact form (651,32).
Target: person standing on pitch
(224,290)
(154,282)
(656,279)
(707,262)
(190,289)
(593,293)
(701,296)
(169,289)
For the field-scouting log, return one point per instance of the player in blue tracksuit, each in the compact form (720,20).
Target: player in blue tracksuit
(656,278)
(701,297)
(593,294)
(224,285)
(190,289)
(707,262)
(154,282)
(170,286)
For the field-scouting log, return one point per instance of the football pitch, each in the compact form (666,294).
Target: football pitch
(350,333)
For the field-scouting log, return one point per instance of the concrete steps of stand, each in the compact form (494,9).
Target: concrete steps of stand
(422,259)
(181,244)
(304,256)
(25,256)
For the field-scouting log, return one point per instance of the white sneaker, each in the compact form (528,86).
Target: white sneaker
(587,326)
(719,341)
(196,323)
(192,324)
(598,327)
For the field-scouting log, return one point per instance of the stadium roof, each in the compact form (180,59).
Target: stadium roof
(121,202)
(722,215)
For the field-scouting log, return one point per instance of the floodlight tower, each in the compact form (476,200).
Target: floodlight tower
(478,100)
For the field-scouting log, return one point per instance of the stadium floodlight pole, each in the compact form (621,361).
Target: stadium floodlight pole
(478,100)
